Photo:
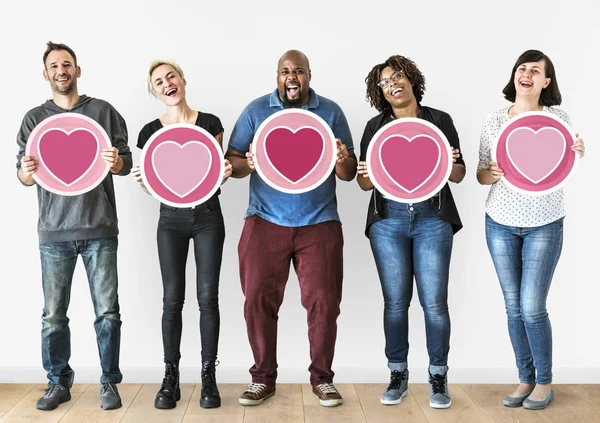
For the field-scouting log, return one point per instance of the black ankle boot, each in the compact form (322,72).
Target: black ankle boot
(209,397)
(169,392)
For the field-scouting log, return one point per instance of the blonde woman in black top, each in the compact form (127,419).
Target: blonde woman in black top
(204,225)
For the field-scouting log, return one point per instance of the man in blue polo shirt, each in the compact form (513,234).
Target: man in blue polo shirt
(280,228)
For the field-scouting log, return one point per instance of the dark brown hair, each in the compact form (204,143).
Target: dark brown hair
(550,96)
(400,63)
(50,47)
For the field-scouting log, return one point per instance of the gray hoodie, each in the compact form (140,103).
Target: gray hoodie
(85,216)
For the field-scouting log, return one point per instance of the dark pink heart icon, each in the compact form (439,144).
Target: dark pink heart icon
(68,156)
(294,154)
(409,163)
(181,168)
(535,154)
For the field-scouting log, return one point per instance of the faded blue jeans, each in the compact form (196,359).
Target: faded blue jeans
(525,259)
(412,240)
(58,264)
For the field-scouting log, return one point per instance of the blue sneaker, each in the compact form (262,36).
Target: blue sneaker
(438,391)
(397,389)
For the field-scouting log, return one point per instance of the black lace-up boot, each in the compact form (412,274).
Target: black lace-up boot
(209,397)
(169,392)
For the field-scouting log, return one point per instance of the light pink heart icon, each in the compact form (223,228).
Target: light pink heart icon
(535,154)
(294,154)
(409,163)
(181,168)
(68,156)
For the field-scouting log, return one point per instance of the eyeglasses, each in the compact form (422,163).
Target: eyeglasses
(396,76)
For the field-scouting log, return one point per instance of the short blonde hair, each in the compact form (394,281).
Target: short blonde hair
(156,64)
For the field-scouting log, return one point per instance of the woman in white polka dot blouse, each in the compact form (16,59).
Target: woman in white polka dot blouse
(524,233)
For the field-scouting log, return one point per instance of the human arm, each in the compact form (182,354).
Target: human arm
(458,164)
(345,165)
(118,157)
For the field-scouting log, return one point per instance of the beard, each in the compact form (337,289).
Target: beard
(64,90)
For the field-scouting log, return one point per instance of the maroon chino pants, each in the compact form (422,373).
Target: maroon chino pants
(265,252)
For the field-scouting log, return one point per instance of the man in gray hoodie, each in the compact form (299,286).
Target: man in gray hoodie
(68,226)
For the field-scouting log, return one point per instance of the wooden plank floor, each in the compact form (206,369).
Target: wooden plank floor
(295,403)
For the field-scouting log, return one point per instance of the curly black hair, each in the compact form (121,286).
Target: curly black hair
(400,63)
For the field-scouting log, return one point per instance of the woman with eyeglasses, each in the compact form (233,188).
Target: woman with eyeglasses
(525,233)
(411,240)
(176,227)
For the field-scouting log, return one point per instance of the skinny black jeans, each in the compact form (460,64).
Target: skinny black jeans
(176,227)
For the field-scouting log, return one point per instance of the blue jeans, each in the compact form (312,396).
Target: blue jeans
(58,264)
(413,240)
(525,259)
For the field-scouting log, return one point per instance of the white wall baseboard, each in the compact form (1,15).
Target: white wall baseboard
(301,375)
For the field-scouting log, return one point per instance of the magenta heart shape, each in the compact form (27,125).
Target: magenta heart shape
(181,168)
(294,154)
(409,162)
(68,156)
(535,154)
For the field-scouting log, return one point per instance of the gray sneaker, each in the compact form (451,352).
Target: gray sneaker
(438,391)
(397,389)
(109,396)
(55,394)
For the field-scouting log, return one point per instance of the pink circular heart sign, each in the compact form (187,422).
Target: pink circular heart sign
(409,160)
(294,151)
(68,149)
(534,151)
(182,165)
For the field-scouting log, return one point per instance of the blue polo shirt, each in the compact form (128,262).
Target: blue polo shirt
(309,208)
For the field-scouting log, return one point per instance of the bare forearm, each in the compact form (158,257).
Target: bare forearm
(484,177)
(239,166)
(346,170)
(458,173)
(364,182)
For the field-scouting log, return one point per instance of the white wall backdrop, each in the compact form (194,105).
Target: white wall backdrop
(229,52)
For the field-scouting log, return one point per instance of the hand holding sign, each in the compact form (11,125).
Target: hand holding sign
(111,156)
(227,171)
(455,154)
(495,171)
(578,147)
(136,173)
(28,165)
(250,158)
(342,151)
(363,169)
